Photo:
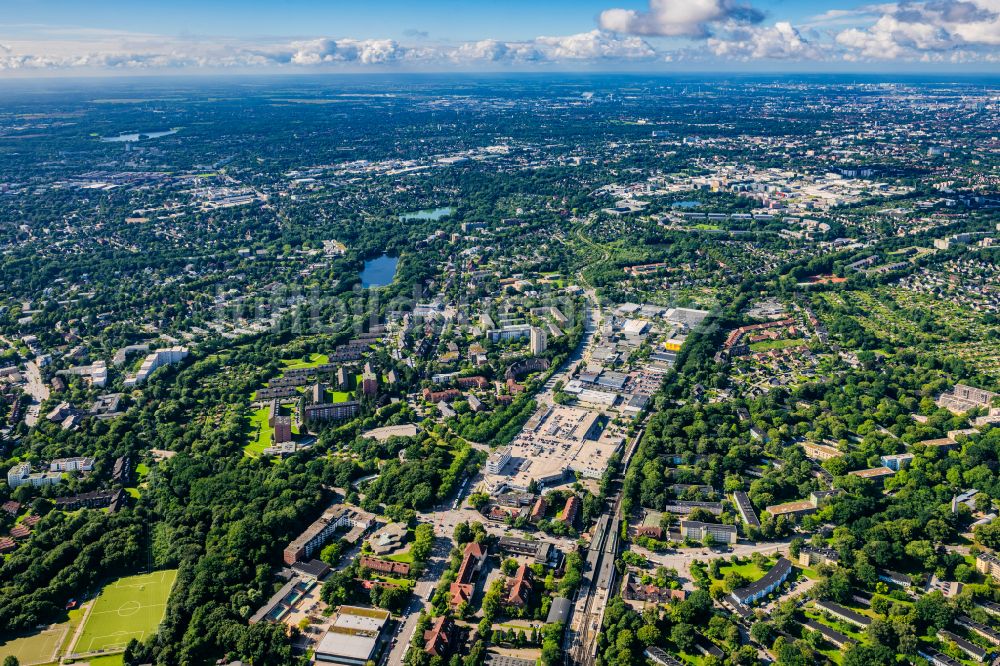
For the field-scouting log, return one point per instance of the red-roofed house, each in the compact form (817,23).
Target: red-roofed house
(519,592)
(440,639)
(569,511)
(472,561)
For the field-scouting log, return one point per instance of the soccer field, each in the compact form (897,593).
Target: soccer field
(131,607)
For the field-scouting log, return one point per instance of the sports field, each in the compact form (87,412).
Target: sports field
(131,607)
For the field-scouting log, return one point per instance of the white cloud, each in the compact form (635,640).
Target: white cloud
(913,30)
(595,45)
(367,52)
(678,18)
(779,42)
(161,53)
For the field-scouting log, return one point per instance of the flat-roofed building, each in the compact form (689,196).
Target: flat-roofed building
(316,535)
(697,531)
(794,509)
(988,563)
(353,638)
(337,411)
(820,451)
(897,461)
(498,460)
(878,475)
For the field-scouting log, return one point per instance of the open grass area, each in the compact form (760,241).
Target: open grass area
(767,345)
(314,360)
(261,433)
(38,648)
(131,607)
(406,557)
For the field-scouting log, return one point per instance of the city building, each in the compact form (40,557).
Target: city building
(369,382)
(745,508)
(845,614)
(155,360)
(767,584)
(966,646)
(832,636)
(897,461)
(472,562)
(520,588)
(319,532)
(337,411)
(353,637)
(538,341)
(697,531)
(811,556)
(21,475)
(878,475)
(441,639)
(387,567)
(498,460)
(988,563)
(570,510)
(820,451)
(71,465)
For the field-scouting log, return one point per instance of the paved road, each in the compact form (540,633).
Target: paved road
(428,581)
(38,391)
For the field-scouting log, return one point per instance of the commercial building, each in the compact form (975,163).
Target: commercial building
(697,531)
(513,332)
(354,636)
(542,552)
(498,460)
(757,590)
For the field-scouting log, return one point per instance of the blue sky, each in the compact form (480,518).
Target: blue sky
(114,36)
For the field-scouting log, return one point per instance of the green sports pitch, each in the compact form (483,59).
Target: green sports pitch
(130,607)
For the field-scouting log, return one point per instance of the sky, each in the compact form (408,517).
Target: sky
(116,37)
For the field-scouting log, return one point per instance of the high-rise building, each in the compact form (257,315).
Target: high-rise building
(539,341)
